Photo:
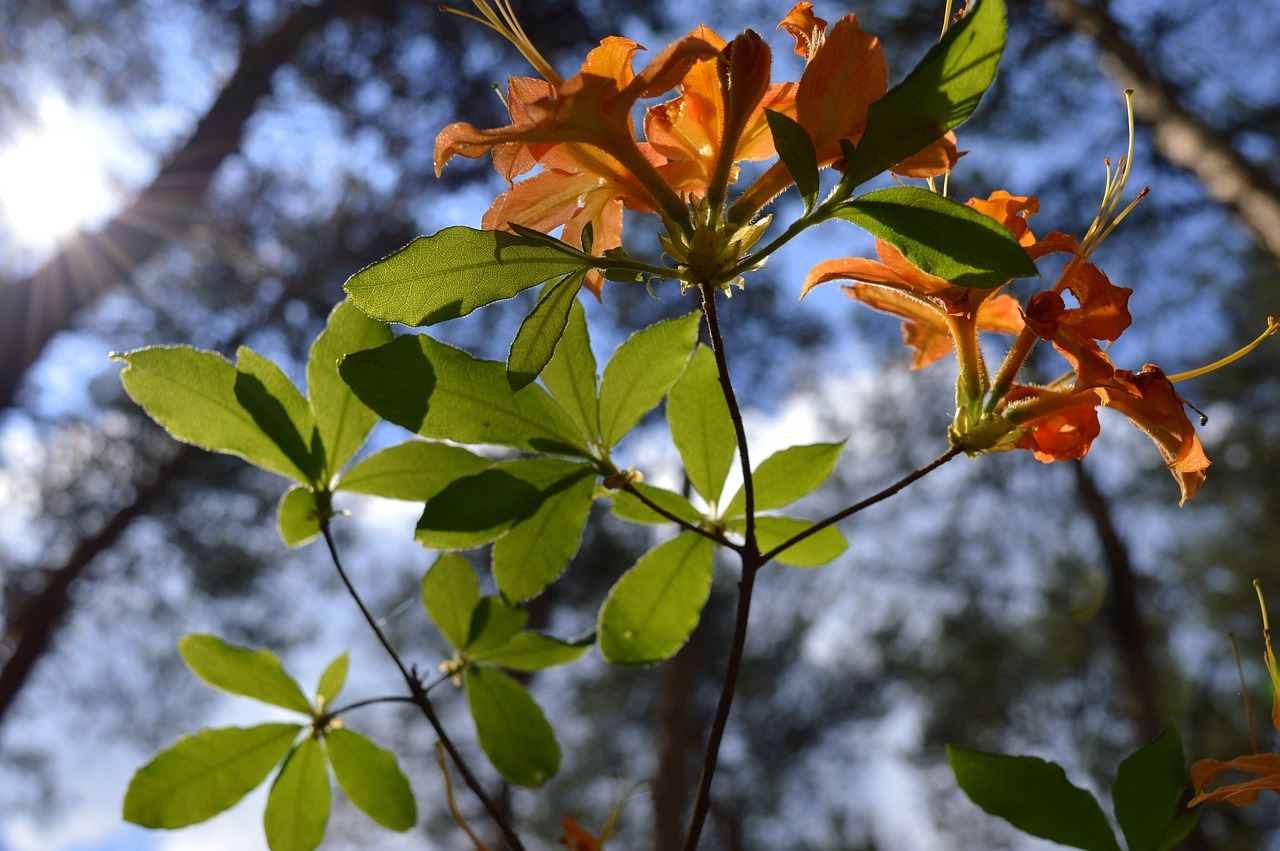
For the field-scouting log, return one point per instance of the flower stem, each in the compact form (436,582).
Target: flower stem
(735,413)
(418,695)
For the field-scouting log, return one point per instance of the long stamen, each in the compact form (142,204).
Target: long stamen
(1273,326)
(503,21)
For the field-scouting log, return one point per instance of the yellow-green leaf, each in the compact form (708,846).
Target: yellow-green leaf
(298,805)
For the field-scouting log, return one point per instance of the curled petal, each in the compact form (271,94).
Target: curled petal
(806,28)
(1062,434)
(844,76)
(938,158)
(1266,766)
(1012,211)
(1103,313)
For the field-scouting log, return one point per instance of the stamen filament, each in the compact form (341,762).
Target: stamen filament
(1273,326)
(505,23)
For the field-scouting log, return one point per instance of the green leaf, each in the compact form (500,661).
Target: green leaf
(343,420)
(939,94)
(1148,787)
(641,372)
(819,548)
(371,778)
(281,411)
(480,508)
(239,670)
(298,806)
(700,425)
(513,732)
(332,681)
(416,470)
(442,392)
(940,237)
(192,394)
(202,775)
(795,149)
(571,374)
(1179,830)
(297,516)
(541,330)
(1034,796)
(787,475)
(630,508)
(450,594)
(494,623)
(532,651)
(447,275)
(654,607)
(537,550)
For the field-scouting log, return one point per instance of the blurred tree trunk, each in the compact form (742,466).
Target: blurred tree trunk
(34,310)
(1182,137)
(676,727)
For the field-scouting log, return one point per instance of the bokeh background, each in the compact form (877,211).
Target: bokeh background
(210,172)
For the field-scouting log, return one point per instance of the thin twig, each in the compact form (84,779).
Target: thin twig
(453,802)
(683,524)
(419,696)
(372,701)
(914,476)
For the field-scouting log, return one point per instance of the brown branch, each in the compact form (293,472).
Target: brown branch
(1182,137)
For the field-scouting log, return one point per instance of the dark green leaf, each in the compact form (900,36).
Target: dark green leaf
(443,392)
(343,420)
(630,508)
(940,237)
(795,149)
(297,516)
(571,374)
(332,681)
(532,651)
(653,608)
(819,548)
(512,730)
(787,475)
(939,94)
(202,775)
(298,806)
(371,778)
(1147,789)
(416,470)
(493,624)
(1179,830)
(540,331)
(480,508)
(1034,796)
(193,395)
(239,670)
(700,425)
(537,550)
(641,372)
(450,274)
(281,411)
(450,593)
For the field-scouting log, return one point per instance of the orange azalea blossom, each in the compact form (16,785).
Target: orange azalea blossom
(1266,766)
(577,839)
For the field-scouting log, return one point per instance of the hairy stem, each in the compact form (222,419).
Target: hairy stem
(419,696)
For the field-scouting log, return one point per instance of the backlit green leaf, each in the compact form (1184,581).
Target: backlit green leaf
(493,624)
(1179,830)
(240,670)
(450,593)
(630,508)
(332,680)
(371,778)
(940,237)
(641,372)
(795,149)
(700,425)
(1147,789)
(529,557)
(1034,796)
(343,420)
(653,608)
(442,392)
(571,374)
(819,548)
(512,730)
(540,331)
(532,651)
(451,273)
(787,475)
(298,806)
(193,395)
(202,775)
(296,516)
(416,470)
(939,94)
(281,411)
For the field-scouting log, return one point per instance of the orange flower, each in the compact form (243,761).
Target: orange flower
(577,839)
(1265,765)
